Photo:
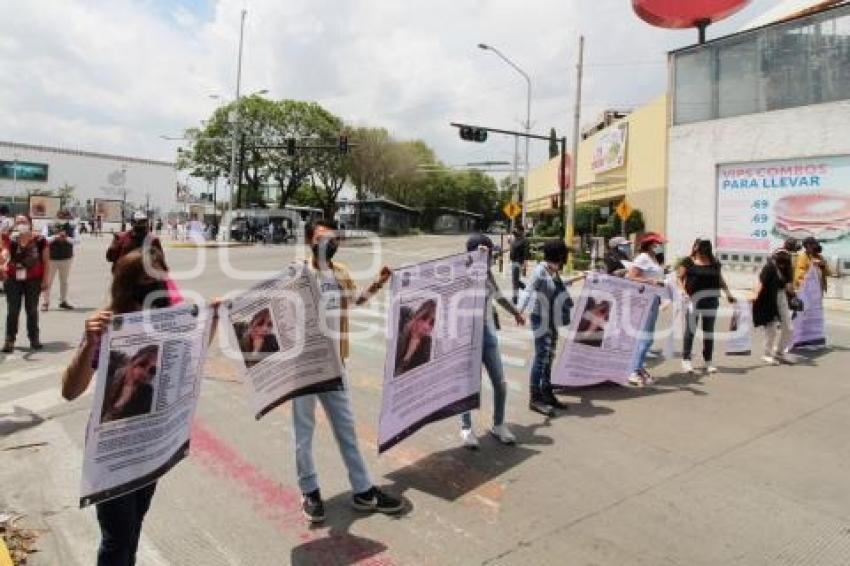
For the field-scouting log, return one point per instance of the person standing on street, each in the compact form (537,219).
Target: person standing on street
(61,237)
(551,309)
(811,255)
(519,255)
(619,250)
(490,354)
(133,289)
(24,261)
(647,269)
(702,281)
(338,292)
(771,306)
(6,223)
(139,236)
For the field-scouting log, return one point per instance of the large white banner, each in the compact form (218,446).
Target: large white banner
(279,336)
(809,325)
(761,204)
(435,330)
(602,339)
(147,386)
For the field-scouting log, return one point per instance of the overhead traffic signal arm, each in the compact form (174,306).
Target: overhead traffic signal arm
(291,146)
(478,134)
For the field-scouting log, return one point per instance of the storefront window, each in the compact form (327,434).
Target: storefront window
(806,61)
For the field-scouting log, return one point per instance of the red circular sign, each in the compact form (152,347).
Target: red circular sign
(685,14)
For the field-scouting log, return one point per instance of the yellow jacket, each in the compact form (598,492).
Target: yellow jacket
(801,268)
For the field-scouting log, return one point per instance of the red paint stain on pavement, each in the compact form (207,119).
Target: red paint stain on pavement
(278,504)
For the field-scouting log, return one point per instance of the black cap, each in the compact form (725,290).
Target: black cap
(792,245)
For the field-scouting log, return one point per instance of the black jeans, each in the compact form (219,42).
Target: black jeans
(708,316)
(24,293)
(516,280)
(121,526)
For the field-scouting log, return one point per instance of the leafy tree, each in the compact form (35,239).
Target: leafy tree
(66,194)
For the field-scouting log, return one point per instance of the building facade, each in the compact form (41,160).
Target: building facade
(136,182)
(759,143)
(620,159)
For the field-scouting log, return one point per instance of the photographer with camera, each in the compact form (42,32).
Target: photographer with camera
(62,237)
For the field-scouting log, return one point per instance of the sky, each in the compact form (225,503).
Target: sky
(114,76)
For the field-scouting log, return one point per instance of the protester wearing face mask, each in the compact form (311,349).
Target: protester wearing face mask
(619,250)
(24,261)
(771,309)
(490,354)
(647,269)
(338,292)
(811,255)
(62,238)
(135,238)
(137,285)
(551,309)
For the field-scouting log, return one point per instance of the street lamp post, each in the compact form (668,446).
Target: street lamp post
(235,113)
(486,47)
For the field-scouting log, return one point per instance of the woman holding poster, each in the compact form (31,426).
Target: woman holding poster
(702,280)
(133,289)
(811,255)
(414,337)
(770,307)
(647,269)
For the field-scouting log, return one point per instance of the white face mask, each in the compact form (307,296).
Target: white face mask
(23,229)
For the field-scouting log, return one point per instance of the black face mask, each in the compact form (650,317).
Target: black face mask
(140,231)
(325,250)
(157,291)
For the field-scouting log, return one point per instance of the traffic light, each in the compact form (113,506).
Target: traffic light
(343,144)
(469,133)
(290,146)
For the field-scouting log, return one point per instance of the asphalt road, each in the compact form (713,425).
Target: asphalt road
(746,467)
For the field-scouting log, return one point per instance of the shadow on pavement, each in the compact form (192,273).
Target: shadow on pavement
(341,547)
(21,419)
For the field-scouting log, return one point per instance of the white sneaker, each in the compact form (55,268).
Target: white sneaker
(503,433)
(770,360)
(635,380)
(468,438)
(710,369)
(687,366)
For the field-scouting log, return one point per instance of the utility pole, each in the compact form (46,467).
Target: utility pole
(235,114)
(571,219)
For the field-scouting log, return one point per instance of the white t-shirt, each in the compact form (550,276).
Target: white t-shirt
(330,303)
(649,269)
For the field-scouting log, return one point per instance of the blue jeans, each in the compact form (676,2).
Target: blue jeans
(492,359)
(120,522)
(647,336)
(544,354)
(338,409)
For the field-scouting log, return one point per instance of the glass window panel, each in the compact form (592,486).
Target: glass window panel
(738,79)
(693,87)
(834,58)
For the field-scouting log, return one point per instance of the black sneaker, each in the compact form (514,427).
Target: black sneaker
(36,345)
(313,507)
(376,500)
(8,346)
(66,305)
(540,406)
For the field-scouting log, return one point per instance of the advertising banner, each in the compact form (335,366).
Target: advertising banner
(108,210)
(602,339)
(285,346)
(436,327)
(761,204)
(809,327)
(609,151)
(147,385)
(44,206)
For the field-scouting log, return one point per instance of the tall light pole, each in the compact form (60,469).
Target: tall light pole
(571,220)
(234,116)
(486,47)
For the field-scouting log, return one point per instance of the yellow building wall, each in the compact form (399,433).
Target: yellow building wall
(642,179)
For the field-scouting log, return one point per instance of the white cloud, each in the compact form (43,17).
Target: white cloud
(114,76)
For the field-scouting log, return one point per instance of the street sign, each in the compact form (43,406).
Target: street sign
(512,210)
(624,210)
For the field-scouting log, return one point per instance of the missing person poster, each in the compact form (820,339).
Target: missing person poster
(602,339)
(147,385)
(109,210)
(739,341)
(809,326)
(44,206)
(435,330)
(282,341)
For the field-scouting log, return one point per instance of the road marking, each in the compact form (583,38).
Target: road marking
(29,373)
(35,403)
